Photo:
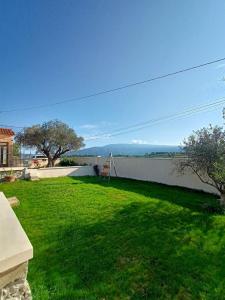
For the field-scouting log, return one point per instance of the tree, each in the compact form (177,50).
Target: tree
(16,149)
(205,156)
(53,139)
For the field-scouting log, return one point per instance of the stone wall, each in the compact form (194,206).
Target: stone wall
(14,285)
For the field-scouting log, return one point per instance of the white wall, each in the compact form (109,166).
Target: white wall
(160,170)
(62,171)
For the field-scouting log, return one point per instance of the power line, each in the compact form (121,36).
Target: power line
(122,87)
(217,102)
(138,126)
(179,115)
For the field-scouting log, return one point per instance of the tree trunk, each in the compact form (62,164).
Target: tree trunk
(222,199)
(51,162)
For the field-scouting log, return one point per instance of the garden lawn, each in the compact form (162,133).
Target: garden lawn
(125,239)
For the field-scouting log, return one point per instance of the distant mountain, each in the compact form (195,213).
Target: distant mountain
(124,149)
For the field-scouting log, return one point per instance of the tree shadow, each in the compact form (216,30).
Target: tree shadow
(143,251)
(198,201)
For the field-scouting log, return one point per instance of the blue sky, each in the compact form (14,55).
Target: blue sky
(56,50)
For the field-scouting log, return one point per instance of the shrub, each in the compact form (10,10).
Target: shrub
(69,162)
(66,162)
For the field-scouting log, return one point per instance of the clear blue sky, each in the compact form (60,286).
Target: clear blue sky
(54,50)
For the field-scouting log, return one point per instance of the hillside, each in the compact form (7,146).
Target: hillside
(125,149)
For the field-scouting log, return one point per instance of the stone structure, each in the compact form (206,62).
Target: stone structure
(15,252)
(13,201)
(6,147)
(13,283)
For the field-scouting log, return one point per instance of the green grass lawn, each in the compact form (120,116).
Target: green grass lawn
(123,240)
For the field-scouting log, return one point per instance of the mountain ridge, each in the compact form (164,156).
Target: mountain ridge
(125,149)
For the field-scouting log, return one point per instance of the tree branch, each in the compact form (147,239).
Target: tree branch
(61,153)
(204,181)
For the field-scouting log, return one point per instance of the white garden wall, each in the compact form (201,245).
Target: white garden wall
(161,170)
(62,171)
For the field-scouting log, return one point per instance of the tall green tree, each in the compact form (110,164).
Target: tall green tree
(53,139)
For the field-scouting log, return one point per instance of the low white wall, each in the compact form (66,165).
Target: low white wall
(62,171)
(16,171)
(161,170)
(11,169)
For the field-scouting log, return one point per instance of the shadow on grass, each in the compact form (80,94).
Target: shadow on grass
(143,251)
(198,201)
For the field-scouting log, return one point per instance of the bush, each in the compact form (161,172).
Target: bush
(66,162)
(69,162)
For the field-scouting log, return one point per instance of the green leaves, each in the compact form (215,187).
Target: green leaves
(52,138)
(205,152)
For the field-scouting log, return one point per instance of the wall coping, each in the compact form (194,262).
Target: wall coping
(131,157)
(15,247)
(2,169)
(56,168)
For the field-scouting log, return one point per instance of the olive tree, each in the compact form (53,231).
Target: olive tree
(53,139)
(205,156)
(16,149)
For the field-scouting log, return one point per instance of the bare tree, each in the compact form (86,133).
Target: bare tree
(53,139)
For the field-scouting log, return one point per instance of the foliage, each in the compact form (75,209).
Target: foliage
(164,154)
(53,139)
(125,239)
(16,149)
(205,154)
(7,172)
(10,172)
(64,162)
(219,170)
(68,161)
